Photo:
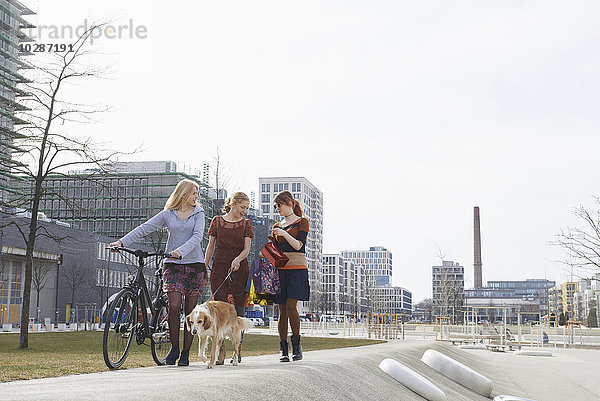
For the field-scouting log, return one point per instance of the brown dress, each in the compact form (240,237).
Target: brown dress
(229,243)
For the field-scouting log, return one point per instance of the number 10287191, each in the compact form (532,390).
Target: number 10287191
(45,47)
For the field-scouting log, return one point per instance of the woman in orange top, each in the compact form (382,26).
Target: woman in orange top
(290,235)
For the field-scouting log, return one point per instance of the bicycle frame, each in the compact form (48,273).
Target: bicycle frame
(138,286)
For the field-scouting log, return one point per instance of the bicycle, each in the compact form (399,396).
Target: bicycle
(126,317)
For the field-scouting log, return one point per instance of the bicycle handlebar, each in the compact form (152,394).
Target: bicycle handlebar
(144,254)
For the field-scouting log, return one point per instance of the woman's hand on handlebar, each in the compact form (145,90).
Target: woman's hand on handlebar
(175,254)
(115,244)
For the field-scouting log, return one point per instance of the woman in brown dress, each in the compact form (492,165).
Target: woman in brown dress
(230,239)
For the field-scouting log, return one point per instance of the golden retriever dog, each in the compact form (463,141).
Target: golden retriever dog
(217,320)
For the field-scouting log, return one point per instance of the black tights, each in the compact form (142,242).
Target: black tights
(239,310)
(174,318)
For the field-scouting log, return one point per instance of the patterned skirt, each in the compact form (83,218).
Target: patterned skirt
(188,279)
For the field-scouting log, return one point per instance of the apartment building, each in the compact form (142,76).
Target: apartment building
(448,284)
(344,287)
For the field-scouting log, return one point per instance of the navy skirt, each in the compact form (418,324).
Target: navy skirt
(294,285)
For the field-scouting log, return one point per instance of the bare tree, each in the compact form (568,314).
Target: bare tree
(427,305)
(449,297)
(76,275)
(222,179)
(39,273)
(99,281)
(582,245)
(46,149)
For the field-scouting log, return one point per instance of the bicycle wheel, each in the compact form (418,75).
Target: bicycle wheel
(119,329)
(160,342)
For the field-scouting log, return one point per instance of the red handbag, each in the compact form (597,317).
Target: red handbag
(274,254)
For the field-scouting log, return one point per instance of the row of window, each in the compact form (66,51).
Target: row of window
(281,186)
(367,254)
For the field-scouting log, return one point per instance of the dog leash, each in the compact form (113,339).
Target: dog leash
(212,294)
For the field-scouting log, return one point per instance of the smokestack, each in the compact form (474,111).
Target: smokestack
(477,249)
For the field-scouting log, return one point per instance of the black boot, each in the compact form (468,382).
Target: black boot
(296,347)
(283,347)
(172,356)
(184,359)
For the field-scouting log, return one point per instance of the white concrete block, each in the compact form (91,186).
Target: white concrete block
(534,353)
(510,398)
(7,327)
(458,372)
(472,346)
(412,380)
(62,326)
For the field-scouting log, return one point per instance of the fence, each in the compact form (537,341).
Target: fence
(573,335)
(520,335)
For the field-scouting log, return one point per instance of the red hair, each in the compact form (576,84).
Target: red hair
(286,197)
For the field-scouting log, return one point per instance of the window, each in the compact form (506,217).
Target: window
(265,198)
(266,208)
(16,282)
(266,187)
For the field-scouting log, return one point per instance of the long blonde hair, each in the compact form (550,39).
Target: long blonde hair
(237,197)
(184,189)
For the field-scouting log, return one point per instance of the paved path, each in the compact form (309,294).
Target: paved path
(342,374)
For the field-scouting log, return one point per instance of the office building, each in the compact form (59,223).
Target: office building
(530,298)
(311,199)
(391,299)
(377,262)
(11,61)
(114,203)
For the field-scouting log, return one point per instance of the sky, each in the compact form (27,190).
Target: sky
(404,114)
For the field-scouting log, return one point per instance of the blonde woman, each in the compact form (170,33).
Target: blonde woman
(230,239)
(184,219)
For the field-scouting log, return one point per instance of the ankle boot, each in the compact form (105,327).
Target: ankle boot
(184,359)
(221,358)
(296,347)
(172,356)
(283,347)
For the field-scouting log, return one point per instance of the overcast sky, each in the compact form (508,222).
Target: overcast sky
(405,114)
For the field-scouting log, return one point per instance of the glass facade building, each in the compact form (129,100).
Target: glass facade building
(112,204)
(11,61)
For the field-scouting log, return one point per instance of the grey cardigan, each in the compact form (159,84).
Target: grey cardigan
(185,236)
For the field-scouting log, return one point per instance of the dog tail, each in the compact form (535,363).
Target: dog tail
(244,323)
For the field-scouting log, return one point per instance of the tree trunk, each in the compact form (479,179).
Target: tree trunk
(24,332)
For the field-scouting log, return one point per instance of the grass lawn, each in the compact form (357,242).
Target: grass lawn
(67,353)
